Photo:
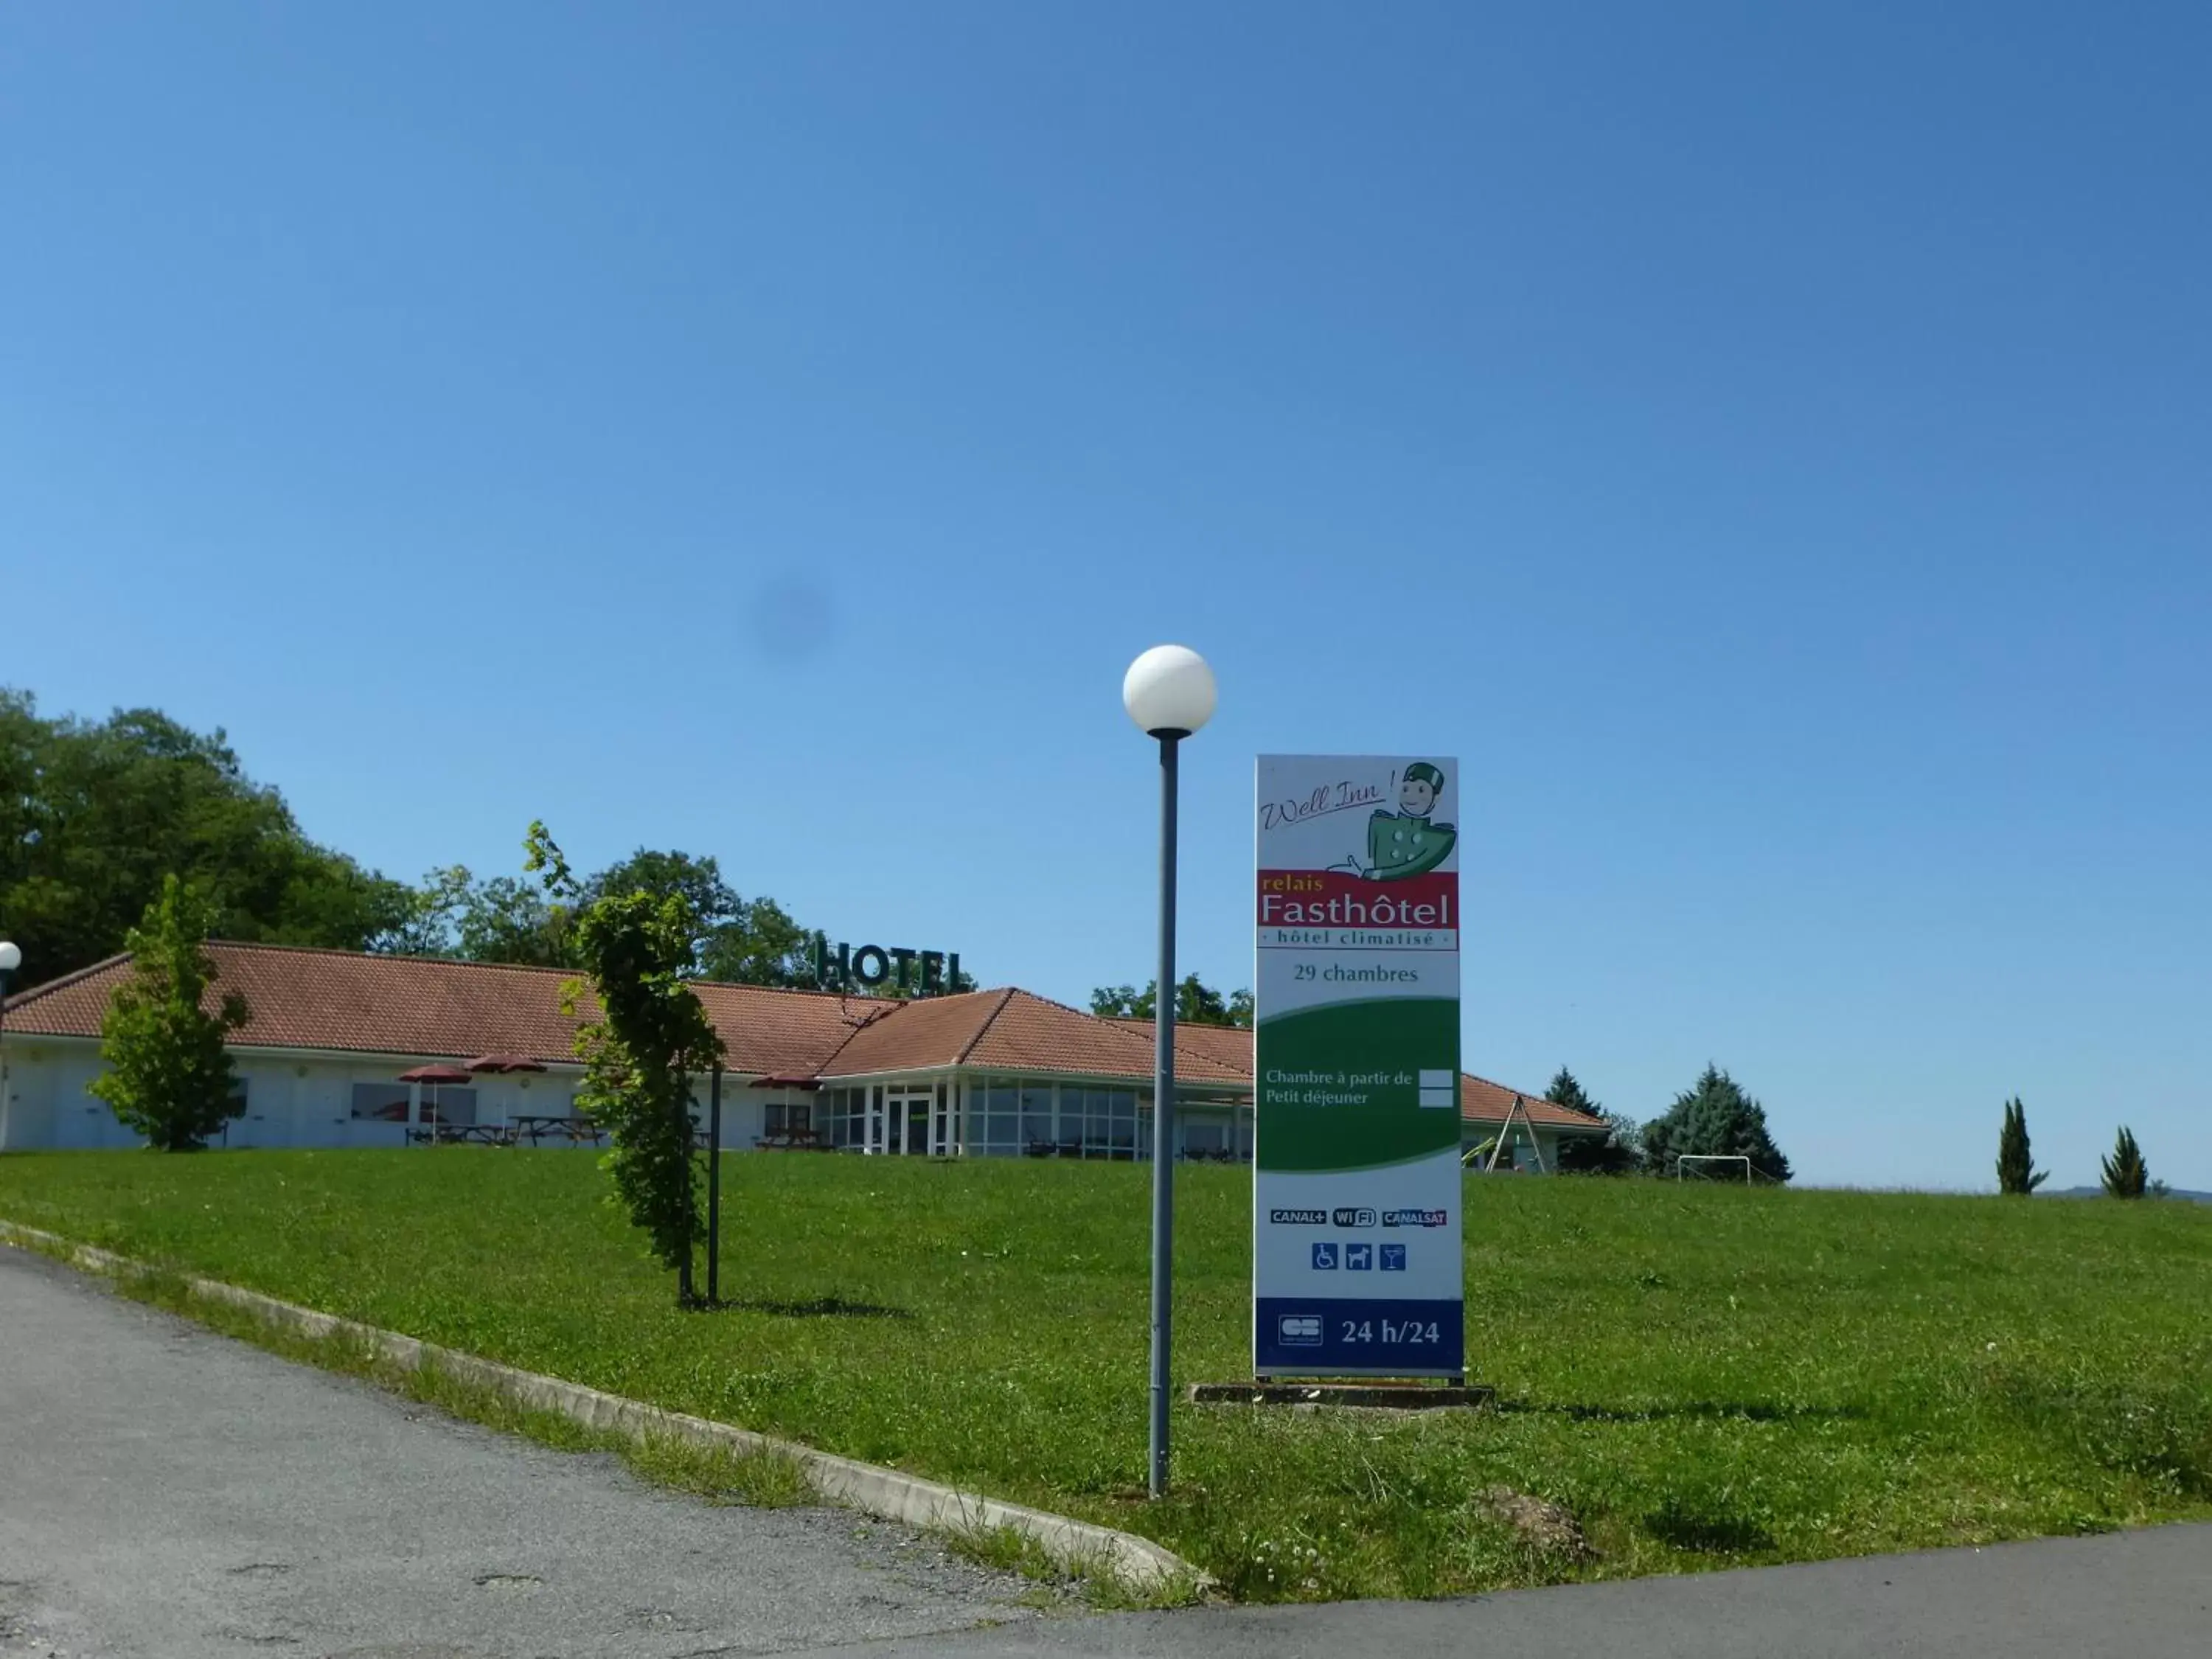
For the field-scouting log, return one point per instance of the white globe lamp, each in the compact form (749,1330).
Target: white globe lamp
(1169,692)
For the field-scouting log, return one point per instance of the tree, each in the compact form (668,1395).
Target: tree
(502,919)
(2126,1175)
(169,1075)
(428,929)
(92,816)
(760,944)
(739,941)
(1196,1003)
(1618,1153)
(639,949)
(1714,1117)
(1567,1090)
(507,920)
(2016,1171)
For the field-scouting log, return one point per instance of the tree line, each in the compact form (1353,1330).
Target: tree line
(1196,1003)
(1714,1117)
(95,814)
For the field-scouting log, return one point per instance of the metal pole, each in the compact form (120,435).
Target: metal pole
(1163,1120)
(715,1188)
(3,1064)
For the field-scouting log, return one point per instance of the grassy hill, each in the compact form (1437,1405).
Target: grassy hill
(1704,1375)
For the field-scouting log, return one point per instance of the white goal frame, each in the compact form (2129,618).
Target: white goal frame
(1749,1175)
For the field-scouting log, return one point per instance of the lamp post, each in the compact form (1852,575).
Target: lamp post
(11,958)
(1168,692)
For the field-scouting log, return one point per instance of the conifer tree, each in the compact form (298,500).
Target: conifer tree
(2016,1171)
(2126,1175)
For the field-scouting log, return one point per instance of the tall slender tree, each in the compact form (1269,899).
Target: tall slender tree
(2016,1171)
(653,1036)
(2126,1175)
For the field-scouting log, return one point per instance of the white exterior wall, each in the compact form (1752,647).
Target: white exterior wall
(745,1108)
(305,1099)
(292,1098)
(48,1104)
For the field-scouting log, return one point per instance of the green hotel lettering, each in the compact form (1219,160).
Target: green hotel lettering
(871,965)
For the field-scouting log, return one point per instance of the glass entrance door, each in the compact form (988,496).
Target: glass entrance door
(909,1111)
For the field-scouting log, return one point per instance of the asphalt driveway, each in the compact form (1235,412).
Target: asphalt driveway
(170,1494)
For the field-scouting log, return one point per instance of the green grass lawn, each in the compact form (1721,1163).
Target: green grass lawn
(1704,1375)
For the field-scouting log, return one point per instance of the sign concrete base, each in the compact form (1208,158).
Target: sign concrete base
(1368,1396)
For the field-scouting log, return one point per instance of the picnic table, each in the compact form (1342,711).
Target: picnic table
(557,1126)
(452,1135)
(790,1140)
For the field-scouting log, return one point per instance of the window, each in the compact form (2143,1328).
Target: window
(842,1117)
(784,1117)
(1037,1131)
(387,1102)
(1010,1116)
(1002,1123)
(1206,1139)
(1122,1123)
(444,1105)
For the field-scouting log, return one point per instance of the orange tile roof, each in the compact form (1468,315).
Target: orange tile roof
(433,1008)
(919,1035)
(304,998)
(1226,1046)
(1481,1101)
(1015,1031)
(1047,1036)
(417,1005)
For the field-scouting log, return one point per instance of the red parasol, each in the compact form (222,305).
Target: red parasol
(434,1075)
(506,1063)
(439,1073)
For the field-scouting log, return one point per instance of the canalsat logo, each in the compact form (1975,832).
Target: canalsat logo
(1298,1218)
(1415,1217)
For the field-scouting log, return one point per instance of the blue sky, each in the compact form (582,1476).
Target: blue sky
(1768,444)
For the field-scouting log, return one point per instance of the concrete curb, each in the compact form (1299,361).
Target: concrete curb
(889,1494)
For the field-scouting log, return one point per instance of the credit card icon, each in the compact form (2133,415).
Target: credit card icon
(1298,1330)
